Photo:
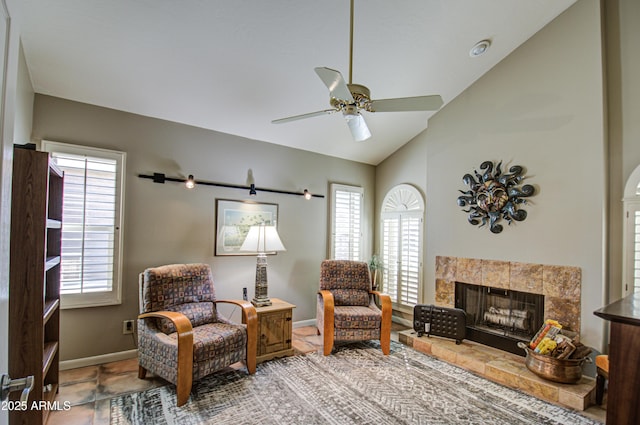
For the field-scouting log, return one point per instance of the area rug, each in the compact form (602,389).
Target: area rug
(357,384)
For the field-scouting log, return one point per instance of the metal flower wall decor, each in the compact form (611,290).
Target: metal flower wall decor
(493,195)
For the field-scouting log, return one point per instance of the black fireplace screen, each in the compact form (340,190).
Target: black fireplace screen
(503,313)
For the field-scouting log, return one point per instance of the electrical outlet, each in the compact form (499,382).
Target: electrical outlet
(127,327)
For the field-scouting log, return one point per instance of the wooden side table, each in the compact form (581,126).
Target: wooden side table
(274,330)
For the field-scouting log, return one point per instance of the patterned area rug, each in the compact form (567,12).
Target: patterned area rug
(354,385)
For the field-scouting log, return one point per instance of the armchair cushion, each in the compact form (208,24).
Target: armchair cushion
(351,297)
(176,284)
(348,281)
(219,341)
(357,317)
(197,313)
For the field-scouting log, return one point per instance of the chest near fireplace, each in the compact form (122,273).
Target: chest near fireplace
(507,302)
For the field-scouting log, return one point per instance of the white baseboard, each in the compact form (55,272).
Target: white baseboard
(312,322)
(95,360)
(130,354)
(402,321)
(302,323)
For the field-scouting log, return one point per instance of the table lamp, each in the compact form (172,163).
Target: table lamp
(262,239)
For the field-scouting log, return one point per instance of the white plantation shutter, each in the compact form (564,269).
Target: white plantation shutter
(91,224)
(631,231)
(346,222)
(410,254)
(402,216)
(636,250)
(390,256)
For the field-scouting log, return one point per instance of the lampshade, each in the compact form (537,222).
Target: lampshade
(262,239)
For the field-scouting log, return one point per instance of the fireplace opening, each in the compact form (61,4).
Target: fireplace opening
(498,317)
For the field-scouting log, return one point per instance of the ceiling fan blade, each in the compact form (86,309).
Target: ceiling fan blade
(335,83)
(402,104)
(358,127)
(303,116)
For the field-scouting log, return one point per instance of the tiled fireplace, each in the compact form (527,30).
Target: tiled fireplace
(497,292)
(558,285)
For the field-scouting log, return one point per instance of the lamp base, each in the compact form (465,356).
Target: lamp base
(261,299)
(261,302)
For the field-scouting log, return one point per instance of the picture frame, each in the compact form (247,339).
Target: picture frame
(233,220)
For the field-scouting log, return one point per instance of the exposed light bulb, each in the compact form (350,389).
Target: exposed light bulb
(190,183)
(307,194)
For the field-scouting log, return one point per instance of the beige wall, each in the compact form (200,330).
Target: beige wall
(169,224)
(24,103)
(16,106)
(623,91)
(542,108)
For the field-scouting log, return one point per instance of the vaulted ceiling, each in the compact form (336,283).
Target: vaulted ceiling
(234,66)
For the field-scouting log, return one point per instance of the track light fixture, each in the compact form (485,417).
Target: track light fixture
(190,183)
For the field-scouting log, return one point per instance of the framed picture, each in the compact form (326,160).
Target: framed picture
(233,219)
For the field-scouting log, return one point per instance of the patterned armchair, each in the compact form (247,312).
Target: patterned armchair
(346,310)
(181,335)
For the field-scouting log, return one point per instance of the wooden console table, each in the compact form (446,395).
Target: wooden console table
(623,398)
(274,330)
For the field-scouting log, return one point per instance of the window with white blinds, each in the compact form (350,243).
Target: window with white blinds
(632,247)
(409,260)
(636,250)
(91,224)
(401,250)
(391,256)
(631,232)
(346,222)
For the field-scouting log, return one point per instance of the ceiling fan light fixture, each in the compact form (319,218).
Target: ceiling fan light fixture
(357,125)
(480,48)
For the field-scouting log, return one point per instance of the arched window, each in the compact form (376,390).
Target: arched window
(631,259)
(402,219)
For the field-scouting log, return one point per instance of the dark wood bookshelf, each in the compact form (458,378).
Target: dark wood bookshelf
(34,278)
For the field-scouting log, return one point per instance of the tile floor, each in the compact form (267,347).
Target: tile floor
(90,388)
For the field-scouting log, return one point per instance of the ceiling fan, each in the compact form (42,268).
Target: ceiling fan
(351,99)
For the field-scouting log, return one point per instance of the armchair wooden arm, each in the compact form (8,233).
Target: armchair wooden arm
(328,314)
(250,318)
(185,351)
(385,330)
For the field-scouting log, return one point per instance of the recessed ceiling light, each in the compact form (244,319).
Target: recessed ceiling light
(480,48)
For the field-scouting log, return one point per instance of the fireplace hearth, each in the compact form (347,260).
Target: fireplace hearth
(499,317)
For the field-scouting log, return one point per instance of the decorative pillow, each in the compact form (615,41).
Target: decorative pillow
(197,313)
(350,297)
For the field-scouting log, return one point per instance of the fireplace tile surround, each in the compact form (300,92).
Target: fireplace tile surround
(560,285)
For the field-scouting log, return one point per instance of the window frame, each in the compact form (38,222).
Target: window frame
(334,189)
(631,234)
(407,195)
(631,204)
(104,298)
